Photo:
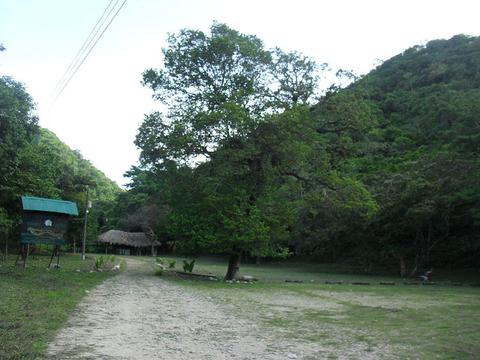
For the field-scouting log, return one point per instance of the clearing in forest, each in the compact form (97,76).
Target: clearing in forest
(136,315)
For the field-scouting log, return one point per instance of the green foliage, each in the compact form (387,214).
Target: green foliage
(104,262)
(188,265)
(159,271)
(226,97)
(35,162)
(384,171)
(414,146)
(166,262)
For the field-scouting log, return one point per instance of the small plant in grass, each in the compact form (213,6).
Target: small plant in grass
(188,266)
(159,266)
(171,264)
(104,262)
(99,261)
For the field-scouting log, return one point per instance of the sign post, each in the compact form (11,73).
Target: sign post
(45,221)
(88,205)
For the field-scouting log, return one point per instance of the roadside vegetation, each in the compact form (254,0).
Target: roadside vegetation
(35,302)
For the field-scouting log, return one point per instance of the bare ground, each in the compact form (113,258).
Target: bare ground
(135,315)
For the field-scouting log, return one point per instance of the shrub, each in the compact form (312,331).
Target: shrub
(104,262)
(188,266)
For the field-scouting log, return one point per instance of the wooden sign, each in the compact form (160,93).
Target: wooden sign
(44,228)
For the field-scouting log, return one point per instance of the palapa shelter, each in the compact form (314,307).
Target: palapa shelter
(126,243)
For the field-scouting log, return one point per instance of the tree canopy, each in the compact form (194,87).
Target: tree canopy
(384,171)
(237,150)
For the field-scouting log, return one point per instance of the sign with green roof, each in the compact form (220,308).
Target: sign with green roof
(31,203)
(45,221)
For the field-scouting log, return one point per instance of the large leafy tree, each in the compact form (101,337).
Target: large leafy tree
(214,87)
(222,90)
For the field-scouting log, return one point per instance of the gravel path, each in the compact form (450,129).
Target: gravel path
(135,315)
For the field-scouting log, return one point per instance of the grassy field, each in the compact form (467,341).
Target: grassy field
(35,302)
(315,320)
(353,321)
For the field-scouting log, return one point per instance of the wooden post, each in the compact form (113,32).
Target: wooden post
(26,256)
(19,254)
(6,245)
(53,254)
(85,227)
(58,257)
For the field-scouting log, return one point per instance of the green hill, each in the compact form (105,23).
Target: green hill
(410,131)
(35,162)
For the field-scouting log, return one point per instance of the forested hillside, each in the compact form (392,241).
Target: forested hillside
(383,172)
(35,162)
(247,162)
(419,158)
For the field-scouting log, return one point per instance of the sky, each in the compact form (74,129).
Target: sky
(101,109)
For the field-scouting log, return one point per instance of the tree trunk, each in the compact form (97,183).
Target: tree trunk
(403,266)
(416,265)
(402,263)
(233,266)
(6,245)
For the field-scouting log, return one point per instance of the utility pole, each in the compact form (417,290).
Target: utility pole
(84,240)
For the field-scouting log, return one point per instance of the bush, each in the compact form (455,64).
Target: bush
(159,271)
(104,262)
(188,266)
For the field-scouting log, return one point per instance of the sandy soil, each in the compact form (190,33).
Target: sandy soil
(135,315)
(138,316)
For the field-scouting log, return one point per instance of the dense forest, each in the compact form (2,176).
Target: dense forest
(245,162)
(251,160)
(35,162)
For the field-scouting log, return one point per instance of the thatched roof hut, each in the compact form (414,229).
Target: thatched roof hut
(117,237)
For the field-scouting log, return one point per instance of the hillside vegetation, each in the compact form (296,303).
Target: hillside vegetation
(417,156)
(384,172)
(35,162)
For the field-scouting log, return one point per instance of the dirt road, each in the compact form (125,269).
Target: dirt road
(135,315)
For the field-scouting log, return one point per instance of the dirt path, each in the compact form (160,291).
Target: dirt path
(135,315)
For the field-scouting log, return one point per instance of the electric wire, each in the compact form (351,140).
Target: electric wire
(88,52)
(85,45)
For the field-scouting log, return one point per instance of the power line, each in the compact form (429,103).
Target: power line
(90,50)
(85,44)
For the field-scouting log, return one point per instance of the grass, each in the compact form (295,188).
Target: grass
(347,321)
(401,321)
(35,302)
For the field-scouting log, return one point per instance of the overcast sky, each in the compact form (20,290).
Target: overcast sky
(100,110)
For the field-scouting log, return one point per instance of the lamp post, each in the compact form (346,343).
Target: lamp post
(88,205)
